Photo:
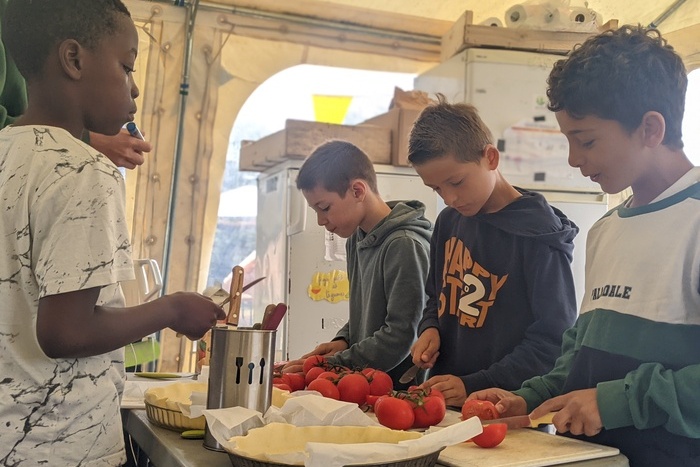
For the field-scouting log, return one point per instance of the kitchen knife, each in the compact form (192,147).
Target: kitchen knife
(235,295)
(266,315)
(522,421)
(410,374)
(275,317)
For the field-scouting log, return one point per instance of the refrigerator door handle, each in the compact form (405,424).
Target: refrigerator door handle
(296,214)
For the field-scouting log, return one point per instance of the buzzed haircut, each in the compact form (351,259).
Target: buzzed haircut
(621,75)
(31,28)
(444,129)
(333,166)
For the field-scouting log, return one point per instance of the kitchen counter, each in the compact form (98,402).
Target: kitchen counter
(165,448)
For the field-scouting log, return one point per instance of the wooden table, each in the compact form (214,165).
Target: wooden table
(165,448)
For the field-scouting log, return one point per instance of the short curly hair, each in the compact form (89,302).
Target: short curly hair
(32,27)
(621,75)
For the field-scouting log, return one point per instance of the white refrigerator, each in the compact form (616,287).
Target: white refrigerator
(293,251)
(508,88)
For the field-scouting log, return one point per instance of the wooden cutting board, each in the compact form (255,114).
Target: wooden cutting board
(524,448)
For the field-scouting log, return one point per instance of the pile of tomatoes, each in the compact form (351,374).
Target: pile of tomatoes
(374,390)
(368,388)
(336,382)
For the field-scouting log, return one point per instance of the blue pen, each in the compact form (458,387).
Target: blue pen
(134,130)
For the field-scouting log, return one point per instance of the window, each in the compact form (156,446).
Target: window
(286,95)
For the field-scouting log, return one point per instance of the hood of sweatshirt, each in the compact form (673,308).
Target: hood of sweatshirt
(531,216)
(405,215)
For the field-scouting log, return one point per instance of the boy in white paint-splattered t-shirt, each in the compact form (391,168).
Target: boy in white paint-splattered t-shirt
(64,240)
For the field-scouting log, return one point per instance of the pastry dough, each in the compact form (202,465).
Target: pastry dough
(168,397)
(282,438)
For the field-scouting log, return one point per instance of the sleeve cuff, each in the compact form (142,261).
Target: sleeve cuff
(427,323)
(613,405)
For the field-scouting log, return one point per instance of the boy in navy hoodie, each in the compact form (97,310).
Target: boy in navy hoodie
(500,287)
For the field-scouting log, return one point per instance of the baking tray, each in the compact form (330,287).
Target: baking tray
(172,419)
(428,460)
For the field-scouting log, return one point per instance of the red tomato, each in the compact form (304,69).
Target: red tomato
(429,411)
(353,387)
(371,400)
(325,387)
(492,435)
(394,413)
(313,373)
(279,380)
(295,381)
(485,410)
(437,392)
(380,383)
(312,361)
(329,375)
(283,387)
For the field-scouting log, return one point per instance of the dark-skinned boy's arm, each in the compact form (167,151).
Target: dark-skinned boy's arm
(69,325)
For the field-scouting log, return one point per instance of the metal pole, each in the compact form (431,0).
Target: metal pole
(663,16)
(184,91)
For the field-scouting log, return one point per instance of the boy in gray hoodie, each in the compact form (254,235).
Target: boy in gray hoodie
(387,259)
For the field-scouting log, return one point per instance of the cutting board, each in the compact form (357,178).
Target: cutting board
(524,448)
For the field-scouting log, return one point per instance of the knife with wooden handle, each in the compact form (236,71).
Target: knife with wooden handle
(235,295)
(275,317)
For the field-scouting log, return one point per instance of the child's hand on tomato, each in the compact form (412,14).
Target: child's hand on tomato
(485,410)
(507,404)
(326,349)
(452,387)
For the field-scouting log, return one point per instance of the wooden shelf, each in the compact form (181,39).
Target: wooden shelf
(464,35)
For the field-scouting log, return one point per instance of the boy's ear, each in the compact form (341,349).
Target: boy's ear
(492,156)
(358,189)
(70,55)
(653,129)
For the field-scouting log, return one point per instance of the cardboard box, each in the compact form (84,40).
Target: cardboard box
(400,121)
(300,138)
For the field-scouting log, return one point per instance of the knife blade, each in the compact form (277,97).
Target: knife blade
(235,294)
(522,421)
(410,374)
(252,283)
